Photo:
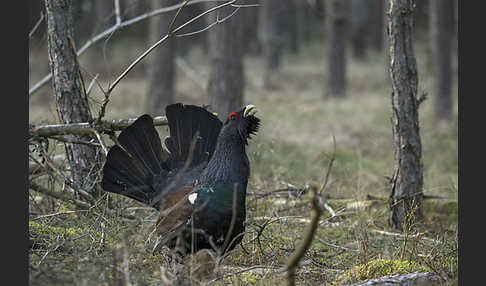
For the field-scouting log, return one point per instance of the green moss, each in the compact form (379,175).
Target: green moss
(379,268)
(48,231)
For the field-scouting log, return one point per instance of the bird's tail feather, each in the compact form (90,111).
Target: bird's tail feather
(130,169)
(186,122)
(142,170)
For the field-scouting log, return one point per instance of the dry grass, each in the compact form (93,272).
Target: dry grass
(293,147)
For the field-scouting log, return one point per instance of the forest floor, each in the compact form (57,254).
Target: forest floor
(289,155)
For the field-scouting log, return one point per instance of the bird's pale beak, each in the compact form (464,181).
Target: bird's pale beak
(249,110)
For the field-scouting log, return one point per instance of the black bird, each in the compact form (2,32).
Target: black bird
(198,182)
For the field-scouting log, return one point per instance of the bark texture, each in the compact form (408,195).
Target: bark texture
(442,32)
(162,67)
(407,181)
(338,12)
(71,101)
(226,80)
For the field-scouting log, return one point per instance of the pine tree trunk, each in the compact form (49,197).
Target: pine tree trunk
(442,54)
(359,28)
(376,22)
(226,80)
(386,43)
(338,25)
(407,181)
(289,21)
(271,39)
(71,101)
(162,62)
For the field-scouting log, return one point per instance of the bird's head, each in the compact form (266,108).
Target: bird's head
(242,123)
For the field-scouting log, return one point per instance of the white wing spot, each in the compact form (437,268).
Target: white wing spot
(192,198)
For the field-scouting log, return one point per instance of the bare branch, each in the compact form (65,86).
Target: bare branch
(144,54)
(218,21)
(329,167)
(307,240)
(37,25)
(91,84)
(84,128)
(58,196)
(117,12)
(112,29)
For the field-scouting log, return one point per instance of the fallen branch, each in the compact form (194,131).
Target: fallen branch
(395,234)
(59,196)
(410,279)
(83,128)
(35,168)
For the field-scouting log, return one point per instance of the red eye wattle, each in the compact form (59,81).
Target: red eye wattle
(232,116)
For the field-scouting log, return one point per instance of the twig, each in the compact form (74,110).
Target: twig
(218,21)
(117,12)
(74,141)
(58,213)
(98,136)
(275,270)
(306,242)
(37,25)
(58,196)
(191,74)
(91,84)
(404,236)
(329,167)
(337,246)
(112,29)
(144,54)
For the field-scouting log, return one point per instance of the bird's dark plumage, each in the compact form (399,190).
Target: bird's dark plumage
(198,183)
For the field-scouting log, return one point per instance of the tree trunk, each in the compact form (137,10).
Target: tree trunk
(359,28)
(376,22)
(338,25)
(251,43)
(288,21)
(162,68)
(71,101)
(386,43)
(304,20)
(407,181)
(226,80)
(271,39)
(442,54)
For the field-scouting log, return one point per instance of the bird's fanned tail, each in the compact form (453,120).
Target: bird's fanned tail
(142,170)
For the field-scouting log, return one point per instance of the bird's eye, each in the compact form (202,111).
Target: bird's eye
(232,116)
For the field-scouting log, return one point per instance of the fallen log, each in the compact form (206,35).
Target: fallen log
(83,128)
(410,279)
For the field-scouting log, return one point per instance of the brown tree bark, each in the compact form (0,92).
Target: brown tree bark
(337,15)
(226,80)
(71,101)
(271,38)
(407,181)
(443,27)
(162,62)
